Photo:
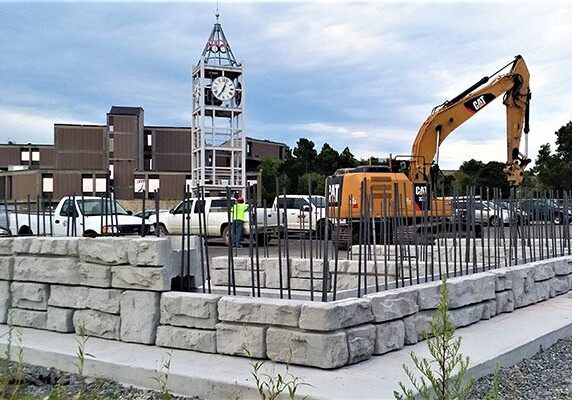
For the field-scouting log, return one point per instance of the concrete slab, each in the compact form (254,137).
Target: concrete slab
(508,337)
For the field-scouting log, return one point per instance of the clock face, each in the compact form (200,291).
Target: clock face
(223,88)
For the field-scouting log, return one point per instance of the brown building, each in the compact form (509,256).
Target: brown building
(123,154)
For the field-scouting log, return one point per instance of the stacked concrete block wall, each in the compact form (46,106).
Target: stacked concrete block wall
(111,286)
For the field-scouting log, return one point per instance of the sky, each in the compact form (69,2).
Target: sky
(360,74)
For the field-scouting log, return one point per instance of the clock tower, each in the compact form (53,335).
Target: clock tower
(217,126)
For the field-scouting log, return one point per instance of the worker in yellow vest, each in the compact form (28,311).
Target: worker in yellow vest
(239,217)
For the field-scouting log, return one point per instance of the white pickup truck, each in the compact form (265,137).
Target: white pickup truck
(216,214)
(302,211)
(101,216)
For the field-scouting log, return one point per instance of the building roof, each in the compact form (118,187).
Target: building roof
(122,110)
(266,141)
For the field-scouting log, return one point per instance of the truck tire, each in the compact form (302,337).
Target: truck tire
(25,231)
(226,235)
(163,231)
(90,234)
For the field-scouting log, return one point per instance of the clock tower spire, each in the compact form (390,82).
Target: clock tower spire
(217,126)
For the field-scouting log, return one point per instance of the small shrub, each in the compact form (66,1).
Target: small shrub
(162,376)
(81,354)
(271,387)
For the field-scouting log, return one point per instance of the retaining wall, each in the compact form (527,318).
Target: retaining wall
(119,288)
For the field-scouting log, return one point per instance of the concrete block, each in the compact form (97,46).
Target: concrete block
(393,304)
(501,283)
(428,295)
(95,275)
(272,272)
(559,285)
(60,319)
(32,296)
(469,314)
(523,285)
(389,336)
(61,270)
(148,251)
(6,267)
(127,277)
(543,290)
(260,310)
(21,245)
(54,246)
(318,316)
(186,338)
(300,267)
(240,263)
(307,284)
(104,250)
(68,296)
(470,289)
(361,343)
(241,339)
(505,301)
(106,300)
(27,318)
(219,277)
(139,316)
(562,266)
(322,350)
(6,246)
(192,310)
(543,270)
(417,326)
(97,323)
(5,300)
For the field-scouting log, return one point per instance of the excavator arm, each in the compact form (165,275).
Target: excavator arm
(514,85)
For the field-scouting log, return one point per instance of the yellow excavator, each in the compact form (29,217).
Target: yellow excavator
(402,188)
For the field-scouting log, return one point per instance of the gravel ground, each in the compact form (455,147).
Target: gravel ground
(40,382)
(545,376)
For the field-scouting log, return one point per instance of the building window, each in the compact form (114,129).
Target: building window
(153,184)
(150,163)
(110,123)
(35,155)
(111,144)
(101,185)
(139,185)
(87,184)
(47,183)
(149,139)
(25,155)
(111,171)
(249,148)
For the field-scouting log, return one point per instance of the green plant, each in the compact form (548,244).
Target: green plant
(162,376)
(271,387)
(443,375)
(12,373)
(81,340)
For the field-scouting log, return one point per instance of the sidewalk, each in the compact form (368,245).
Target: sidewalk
(507,338)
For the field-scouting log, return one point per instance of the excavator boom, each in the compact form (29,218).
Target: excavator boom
(514,85)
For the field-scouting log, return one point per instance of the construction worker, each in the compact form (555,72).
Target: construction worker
(239,217)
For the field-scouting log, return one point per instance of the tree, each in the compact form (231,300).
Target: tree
(318,182)
(347,159)
(554,170)
(305,154)
(328,161)
(270,168)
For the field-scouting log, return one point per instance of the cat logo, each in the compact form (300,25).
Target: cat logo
(476,103)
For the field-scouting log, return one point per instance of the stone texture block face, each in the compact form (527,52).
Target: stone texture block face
(469,314)
(543,290)
(393,304)
(260,310)
(97,323)
(505,301)
(21,245)
(361,343)
(104,250)
(5,300)
(317,316)
(416,326)
(272,272)
(559,285)
(241,278)
(6,246)
(523,285)
(300,267)
(192,310)
(241,339)
(148,251)
(186,338)
(47,270)
(322,350)
(240,263)
(106,300)
(32,296)
(543,270)
(27,318)
(428,295)
(306,284)
(389,336)
(6,267)
(562,266)
(95,275)
(155,279)
(501,283)
(139,316)
(470,289)
(60,319)
(68,296)
(54,246)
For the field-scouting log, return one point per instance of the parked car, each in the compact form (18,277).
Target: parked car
(546,210)
(101,216)
(297,209)
(4,222)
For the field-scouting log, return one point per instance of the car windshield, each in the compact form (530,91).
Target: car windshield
(319,201)
(91,207)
